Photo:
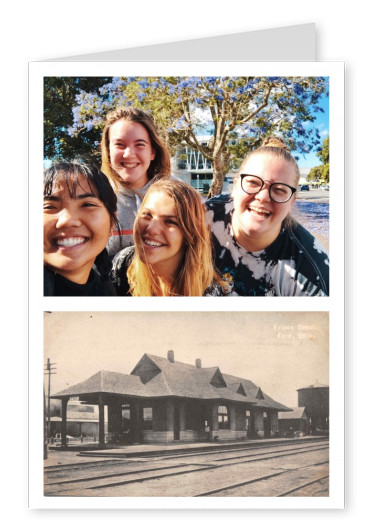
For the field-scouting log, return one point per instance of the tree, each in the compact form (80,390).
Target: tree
(323,155)
(323,152)
(59,98)
(321,173)
(315,174)
(235,111)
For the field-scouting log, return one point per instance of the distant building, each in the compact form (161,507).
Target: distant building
(304,174)
(315,400)
(293,421)
(189,165)
(82,420)
(163,400)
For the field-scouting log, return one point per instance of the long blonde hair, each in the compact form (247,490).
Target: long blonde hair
(159,168)
(196,272)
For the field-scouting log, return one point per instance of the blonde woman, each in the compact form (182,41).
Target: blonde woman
(259,248)
(172,253)
(134,156)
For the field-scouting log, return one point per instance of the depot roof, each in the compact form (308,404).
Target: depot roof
(295,413)
(154,376)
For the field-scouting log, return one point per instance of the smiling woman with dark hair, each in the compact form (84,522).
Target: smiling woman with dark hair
(79,213)
(259,248)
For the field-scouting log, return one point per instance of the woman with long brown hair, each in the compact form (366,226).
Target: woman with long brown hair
(134,156)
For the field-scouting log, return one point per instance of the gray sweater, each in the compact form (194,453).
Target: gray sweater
(128,204)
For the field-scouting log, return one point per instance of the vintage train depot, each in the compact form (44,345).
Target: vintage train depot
(164,400)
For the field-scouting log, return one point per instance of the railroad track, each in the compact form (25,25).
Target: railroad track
(281,470)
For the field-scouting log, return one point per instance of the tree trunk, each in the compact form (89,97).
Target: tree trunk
(220,167)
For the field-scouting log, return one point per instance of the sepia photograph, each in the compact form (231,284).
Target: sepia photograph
(186,404)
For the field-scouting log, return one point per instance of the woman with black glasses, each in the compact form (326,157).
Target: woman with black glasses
(259,248)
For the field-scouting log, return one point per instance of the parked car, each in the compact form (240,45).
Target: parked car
(304,188)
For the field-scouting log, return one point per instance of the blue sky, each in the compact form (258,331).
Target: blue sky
(322,123)
(310,160)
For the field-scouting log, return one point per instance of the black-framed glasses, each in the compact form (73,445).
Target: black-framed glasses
(278,192)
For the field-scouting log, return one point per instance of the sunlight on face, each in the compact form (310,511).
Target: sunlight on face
(76,230)
(257,220)
(160,239)
(131,152)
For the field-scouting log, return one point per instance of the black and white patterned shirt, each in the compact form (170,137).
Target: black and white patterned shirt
(295,264)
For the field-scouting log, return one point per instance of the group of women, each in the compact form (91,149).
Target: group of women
(132,229)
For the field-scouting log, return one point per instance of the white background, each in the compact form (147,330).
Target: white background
(44,29)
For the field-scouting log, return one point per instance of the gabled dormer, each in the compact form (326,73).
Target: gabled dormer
(146,369)
(241,390)
(218,380)
(260,395)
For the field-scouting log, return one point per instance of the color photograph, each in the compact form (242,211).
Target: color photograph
(198,186)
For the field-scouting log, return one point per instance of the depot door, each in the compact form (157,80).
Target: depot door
(176,422)
(249,424)
(267,424)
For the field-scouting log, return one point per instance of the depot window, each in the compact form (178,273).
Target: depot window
(223,420)
(147,418)
(125,417)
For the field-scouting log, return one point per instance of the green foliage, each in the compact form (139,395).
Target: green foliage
(321,173)
(315,174)
(323,153)
(237,112)
(59,98)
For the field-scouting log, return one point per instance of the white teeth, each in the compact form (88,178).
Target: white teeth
(260,210)
(130,165)
(153,244)
(70,242)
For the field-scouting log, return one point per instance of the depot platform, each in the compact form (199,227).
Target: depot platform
(78,453)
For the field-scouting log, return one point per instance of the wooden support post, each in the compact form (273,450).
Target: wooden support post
(101,420)
(232,413)
(214,412)
(64,404)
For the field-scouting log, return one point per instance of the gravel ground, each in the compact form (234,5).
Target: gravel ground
(311,209)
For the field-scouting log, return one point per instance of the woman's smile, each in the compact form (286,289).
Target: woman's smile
(259,212)
(152,243)
(70,242)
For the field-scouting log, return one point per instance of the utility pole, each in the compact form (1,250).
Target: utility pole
(49,369)
(45,451)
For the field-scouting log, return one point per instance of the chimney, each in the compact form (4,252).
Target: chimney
(198,363)
(170,356)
